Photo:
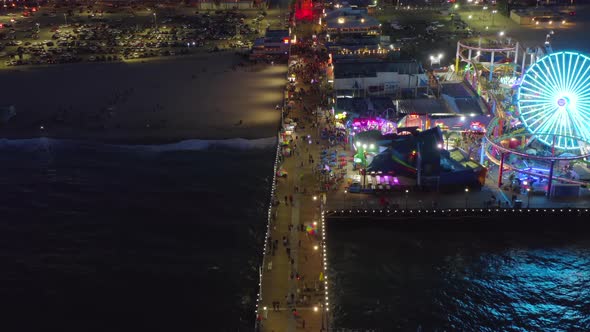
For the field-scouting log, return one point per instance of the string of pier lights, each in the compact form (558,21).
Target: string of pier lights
(272,195)
(326,306)
(411,211)
(325,261)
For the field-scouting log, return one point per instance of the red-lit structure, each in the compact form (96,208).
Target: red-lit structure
(304,10)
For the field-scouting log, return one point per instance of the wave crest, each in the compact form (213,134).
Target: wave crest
(43,143)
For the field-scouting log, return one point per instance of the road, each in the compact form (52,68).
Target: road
(571,37)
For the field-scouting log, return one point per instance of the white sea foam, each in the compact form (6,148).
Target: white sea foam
(200,145)
(43,143)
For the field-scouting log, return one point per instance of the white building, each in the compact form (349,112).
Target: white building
(357,78)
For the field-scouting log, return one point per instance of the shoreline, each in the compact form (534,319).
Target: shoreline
(127,139)
(213,142)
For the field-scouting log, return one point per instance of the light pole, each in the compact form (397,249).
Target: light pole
(155,20)
(66,18)
(501,37)
(435,59)
(466,198)
(493,15)
(548,37)
(407,192)
(528,200)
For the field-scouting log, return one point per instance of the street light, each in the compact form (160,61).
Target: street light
(493,15)
(155,20)
(66,18)
(407,192)
(435,59)
(501,33)
(549,34)
(466,198)
(528,202)
(483,9)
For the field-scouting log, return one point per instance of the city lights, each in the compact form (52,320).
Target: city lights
(435,59)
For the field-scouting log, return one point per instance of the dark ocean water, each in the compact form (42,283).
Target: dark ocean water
(110,238)
(389,279)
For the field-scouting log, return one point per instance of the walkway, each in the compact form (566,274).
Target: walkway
(301,254)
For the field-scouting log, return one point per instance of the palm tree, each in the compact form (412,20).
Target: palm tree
(447,136)
(457,142)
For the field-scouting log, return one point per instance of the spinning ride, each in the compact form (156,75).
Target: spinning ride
(551,123)
(554,100)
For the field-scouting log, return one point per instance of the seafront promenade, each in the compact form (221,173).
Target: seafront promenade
(292,296)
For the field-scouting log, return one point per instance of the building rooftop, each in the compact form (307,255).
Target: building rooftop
(422,106)
(350,18)
(456,90)
(354,41)
(276,35)
(381,103)
(355,3)
(352,105)
(370,67)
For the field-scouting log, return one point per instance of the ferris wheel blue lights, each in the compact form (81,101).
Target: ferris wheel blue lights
(554,100)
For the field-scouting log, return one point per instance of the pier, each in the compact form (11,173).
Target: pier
(293,284)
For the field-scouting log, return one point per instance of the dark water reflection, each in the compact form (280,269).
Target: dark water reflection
(389,280)
(106,238)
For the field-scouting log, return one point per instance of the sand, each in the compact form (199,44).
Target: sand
(198,97)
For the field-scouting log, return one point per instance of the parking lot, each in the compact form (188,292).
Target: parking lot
(568,36)
(423,31)
(76,34)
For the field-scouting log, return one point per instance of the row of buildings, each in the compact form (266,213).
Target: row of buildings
(375,89)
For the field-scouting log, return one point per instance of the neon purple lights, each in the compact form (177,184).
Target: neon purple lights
(365,124)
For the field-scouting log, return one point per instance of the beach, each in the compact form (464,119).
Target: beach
(207,96)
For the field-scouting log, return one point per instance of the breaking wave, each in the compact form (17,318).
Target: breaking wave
(242,144)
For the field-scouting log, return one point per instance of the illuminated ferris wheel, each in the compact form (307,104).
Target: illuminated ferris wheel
(554,100)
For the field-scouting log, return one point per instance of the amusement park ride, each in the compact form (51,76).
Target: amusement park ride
(546,122)
(541,111)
